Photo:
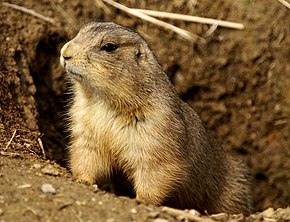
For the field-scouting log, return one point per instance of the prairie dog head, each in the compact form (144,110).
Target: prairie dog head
(110,59)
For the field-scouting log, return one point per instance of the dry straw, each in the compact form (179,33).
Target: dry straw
(285,3)
(148,15)
(183,33)
(190,18)
(30,12)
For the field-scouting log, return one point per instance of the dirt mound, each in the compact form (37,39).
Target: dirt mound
(238,82)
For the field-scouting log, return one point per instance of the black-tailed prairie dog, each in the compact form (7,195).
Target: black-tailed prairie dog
(129,128)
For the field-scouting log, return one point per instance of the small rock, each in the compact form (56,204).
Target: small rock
(153,214)
(1,212)
(110,220)
(37,165)
(133,211)
(48,188)
(81,203)
(277,108)
(255,217)
(50,170)
(194,212)
(2,199)
(95,188)
(160,220)
(268,213)
(283,213)
(237,217)
(220,216)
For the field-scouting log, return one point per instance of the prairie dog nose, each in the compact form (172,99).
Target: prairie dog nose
(68,51)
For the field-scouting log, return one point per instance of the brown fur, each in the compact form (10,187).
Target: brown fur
(127,120)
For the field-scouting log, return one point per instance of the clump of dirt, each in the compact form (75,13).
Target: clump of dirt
(238,82)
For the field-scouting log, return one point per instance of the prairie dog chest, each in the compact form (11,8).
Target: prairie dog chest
(104,130)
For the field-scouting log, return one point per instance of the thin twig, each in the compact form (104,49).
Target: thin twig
(30,12)
(185,34)
(190,18)
(285,3)
(41,147)
(11,154)
(281,122)
(103,6)
(9,142)
(211,30)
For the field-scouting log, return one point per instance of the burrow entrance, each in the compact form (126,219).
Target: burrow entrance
(52,97)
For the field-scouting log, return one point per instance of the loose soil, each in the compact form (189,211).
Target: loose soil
(238,82)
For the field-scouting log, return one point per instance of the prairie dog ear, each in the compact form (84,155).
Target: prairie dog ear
(140,53)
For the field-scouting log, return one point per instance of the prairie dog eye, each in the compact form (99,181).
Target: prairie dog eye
(109,47)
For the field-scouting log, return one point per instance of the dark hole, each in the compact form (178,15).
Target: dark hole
(242,151)
(260,176)
(51,97)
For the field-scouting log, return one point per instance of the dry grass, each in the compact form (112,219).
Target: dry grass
(30,12)
(285,3)
(183,33)
(149,16)
(190,18)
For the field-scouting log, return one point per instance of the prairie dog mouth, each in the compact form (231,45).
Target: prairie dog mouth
(70,70)
(72,73)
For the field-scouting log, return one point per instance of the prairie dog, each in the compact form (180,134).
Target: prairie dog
(129,128)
